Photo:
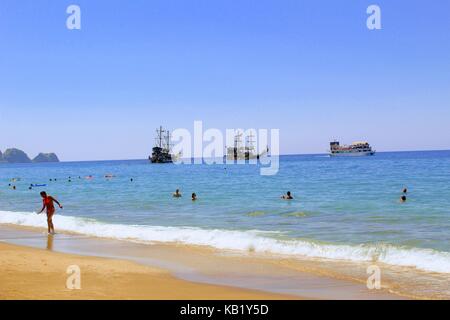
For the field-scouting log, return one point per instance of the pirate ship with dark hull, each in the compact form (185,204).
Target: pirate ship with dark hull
(161,152)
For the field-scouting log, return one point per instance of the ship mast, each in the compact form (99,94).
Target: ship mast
(168,145)
(250,141)
(237,140)
(159,137)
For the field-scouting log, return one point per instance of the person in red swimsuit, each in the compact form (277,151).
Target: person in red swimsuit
(47,202)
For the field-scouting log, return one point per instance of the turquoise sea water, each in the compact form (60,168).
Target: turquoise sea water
(344,208)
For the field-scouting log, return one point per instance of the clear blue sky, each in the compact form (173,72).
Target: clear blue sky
(310,68)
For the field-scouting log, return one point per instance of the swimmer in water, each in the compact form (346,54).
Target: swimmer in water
(403,198)
(47,203)
(405,190)
(287,196)
(194,196)
(177,194)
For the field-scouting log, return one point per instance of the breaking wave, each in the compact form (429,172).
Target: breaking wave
(254,240)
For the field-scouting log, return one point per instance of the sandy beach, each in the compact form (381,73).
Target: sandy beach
(29,273)
(33,266)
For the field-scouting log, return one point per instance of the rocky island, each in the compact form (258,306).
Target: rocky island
(14,155)
(46,157)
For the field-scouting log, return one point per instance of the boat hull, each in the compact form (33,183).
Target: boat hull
(352,154)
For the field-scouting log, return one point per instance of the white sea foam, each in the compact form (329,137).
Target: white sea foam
(257,241)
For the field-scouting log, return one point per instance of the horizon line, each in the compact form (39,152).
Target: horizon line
(285,154)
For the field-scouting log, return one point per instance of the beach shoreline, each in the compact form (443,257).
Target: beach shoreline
(243,277)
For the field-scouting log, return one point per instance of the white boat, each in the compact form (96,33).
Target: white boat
(356,149)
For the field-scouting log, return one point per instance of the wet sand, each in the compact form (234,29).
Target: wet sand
(29,273)
(35,267)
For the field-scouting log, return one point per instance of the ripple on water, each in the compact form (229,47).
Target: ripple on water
(296,214)
(256,213)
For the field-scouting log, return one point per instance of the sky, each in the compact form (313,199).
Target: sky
(310,68)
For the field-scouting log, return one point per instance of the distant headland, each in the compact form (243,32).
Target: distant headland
(14,155)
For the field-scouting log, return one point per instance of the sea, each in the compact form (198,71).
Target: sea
(343,208)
